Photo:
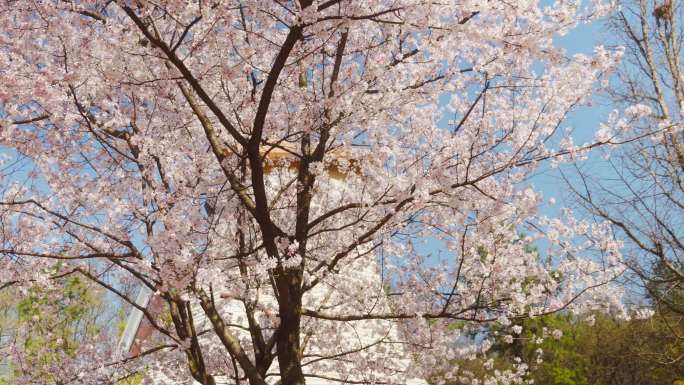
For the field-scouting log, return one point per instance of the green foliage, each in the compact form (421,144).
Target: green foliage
(121,321)
(49,322)
(667,289)
(457,325)
(135,379)
(609,352)
(564,362)
(482,252)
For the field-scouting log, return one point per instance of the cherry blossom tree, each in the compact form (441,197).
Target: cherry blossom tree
(256,152)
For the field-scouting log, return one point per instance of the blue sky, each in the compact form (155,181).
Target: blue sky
(584,120)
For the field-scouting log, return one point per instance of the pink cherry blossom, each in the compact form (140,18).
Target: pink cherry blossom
(278,172)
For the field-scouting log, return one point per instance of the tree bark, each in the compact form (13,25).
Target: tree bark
(288,344)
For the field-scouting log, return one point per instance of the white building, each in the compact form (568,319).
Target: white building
(364,351)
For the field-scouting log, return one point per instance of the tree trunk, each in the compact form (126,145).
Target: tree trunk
(290,306)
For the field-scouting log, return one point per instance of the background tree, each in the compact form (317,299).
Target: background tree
(566,349)
(605,350)
(49,324)
(142,132)
(642,192)
(582,349)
